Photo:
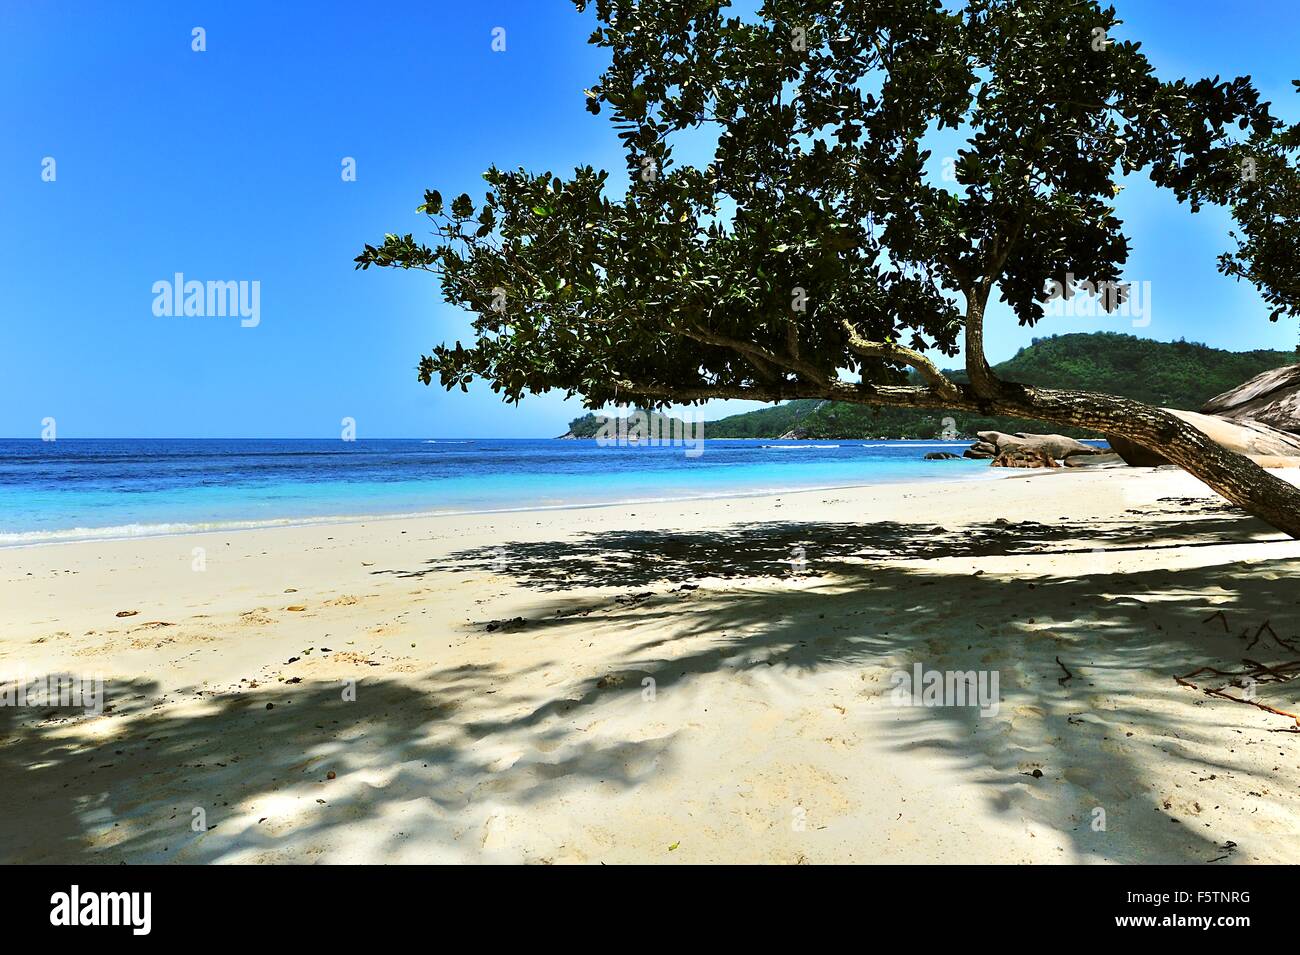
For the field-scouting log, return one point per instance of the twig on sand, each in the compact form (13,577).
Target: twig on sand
(1268,625)
(1062,680)
(1230,846)
(1280,672)
(1221,615)
(1258,673)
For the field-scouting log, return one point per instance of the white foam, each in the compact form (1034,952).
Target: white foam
(797,447)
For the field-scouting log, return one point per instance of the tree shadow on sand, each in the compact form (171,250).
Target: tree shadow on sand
(1090,725)
(644,558)
(421,755)
(287,772)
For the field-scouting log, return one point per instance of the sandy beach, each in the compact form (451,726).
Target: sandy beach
(698,681)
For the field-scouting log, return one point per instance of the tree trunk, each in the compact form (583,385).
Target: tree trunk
(1234,476)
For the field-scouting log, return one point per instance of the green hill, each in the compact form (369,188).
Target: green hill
(590,424)
(766,422)
(1170,374)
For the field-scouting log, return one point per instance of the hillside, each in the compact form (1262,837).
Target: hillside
(590,425)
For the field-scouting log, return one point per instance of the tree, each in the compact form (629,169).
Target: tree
(820,243)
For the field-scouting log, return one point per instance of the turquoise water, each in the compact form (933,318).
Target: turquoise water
(73,489)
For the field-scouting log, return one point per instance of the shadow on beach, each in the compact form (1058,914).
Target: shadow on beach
(428,747)
(132,795)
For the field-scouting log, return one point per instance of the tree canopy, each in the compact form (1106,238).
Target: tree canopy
(819,237)
(817,254)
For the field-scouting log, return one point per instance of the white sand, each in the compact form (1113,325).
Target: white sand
(770,735)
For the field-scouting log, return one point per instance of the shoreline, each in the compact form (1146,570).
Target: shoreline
(108,533)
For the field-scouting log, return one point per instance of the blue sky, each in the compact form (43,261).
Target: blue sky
(225,165)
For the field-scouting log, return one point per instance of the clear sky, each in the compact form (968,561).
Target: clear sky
(225,165)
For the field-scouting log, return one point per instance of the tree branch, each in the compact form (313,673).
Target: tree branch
(752,351)
(895,396)
(939,382)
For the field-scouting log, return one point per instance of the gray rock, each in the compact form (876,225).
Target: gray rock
(1024,457)
(1271,398)
(1056,445)
(1108,460)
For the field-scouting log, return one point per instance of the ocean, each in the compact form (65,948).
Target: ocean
(79,489)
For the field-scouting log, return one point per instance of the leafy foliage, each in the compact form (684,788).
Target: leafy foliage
(1266,205)
(816,240)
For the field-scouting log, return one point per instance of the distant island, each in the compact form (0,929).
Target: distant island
(1167,374)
